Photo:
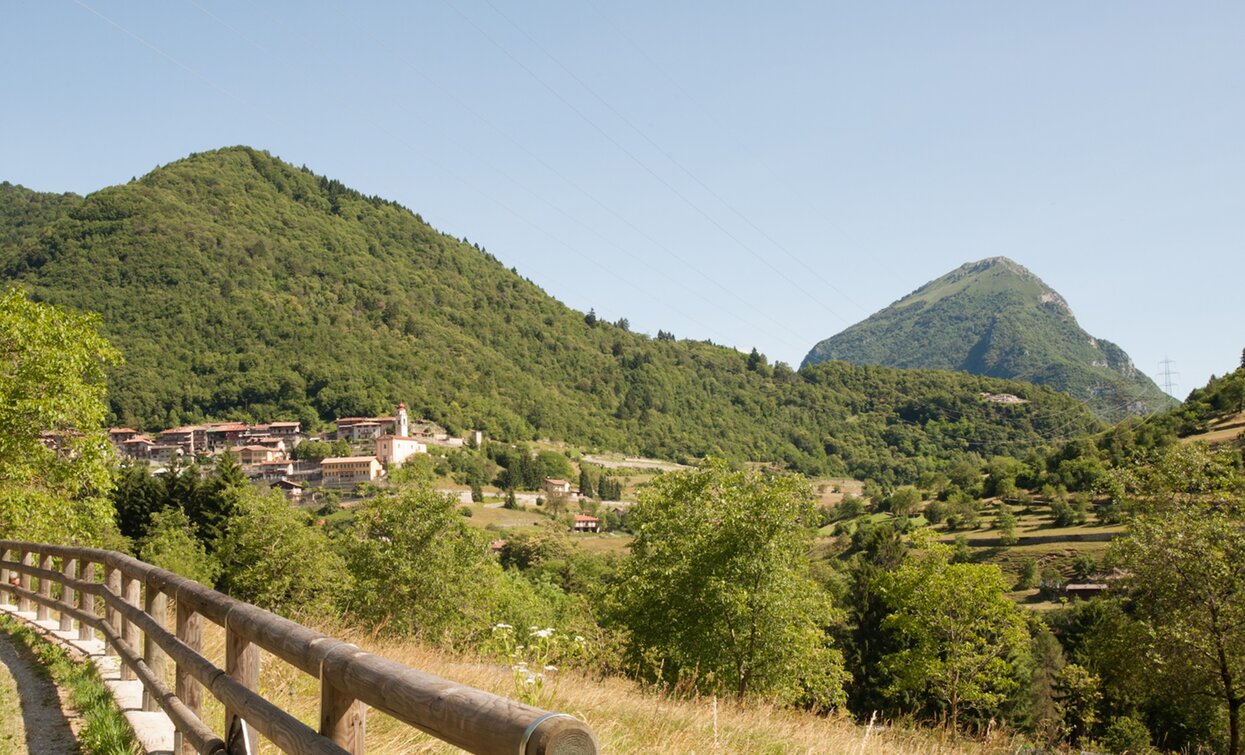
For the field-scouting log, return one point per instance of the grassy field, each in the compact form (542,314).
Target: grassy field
(625,716)
(1226,430)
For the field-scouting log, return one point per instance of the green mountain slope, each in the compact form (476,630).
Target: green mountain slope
(238,286)
(994,317)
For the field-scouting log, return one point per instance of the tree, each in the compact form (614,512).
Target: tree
(418,567)
(54,456)
(1005,523)
(958,634)
(585,484)
(904,501)
(717,591)
(1185,551)
(170,544)
(272,556)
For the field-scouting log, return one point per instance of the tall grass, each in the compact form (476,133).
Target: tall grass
(625,716)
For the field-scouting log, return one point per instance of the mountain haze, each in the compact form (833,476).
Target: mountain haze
(238,286)
(994,317)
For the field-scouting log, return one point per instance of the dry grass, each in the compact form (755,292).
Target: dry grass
(611,542)
(830,490)
(625,717)
(482,516)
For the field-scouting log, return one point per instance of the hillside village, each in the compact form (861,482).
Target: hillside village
(267,452)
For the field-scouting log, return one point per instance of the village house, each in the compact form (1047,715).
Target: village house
(137,447)
(119,435)
(249,456)
(348,470)
(223,434)
(276,469)
(585,523)
(165,453)
(554,486)
(293,490)
(363,428)
(289,431)
(184,438)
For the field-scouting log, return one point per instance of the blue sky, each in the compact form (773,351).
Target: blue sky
(756,174)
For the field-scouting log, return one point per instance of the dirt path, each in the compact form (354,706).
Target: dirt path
(31,719)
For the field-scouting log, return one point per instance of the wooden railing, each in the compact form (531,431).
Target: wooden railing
(134,598)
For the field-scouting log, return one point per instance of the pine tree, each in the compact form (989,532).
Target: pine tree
(585,484)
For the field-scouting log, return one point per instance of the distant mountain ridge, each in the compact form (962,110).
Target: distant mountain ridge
(240,287)
(995,317)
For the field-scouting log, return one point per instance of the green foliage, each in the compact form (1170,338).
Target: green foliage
(1005,523)
(1127,736)
(1185,552)
(904,501)
(271,555)
(994,317)
(240,287)
(717,595)
(418,567)
(54,487)
(1028,576)
(958,636)
(170,543)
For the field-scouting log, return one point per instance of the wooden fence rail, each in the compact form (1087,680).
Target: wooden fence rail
(134,596)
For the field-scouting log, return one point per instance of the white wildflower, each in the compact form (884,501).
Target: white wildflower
(544,634)
(551,668)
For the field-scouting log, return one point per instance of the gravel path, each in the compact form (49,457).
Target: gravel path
(36,724)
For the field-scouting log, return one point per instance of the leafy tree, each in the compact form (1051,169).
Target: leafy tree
(1005,523)
(904,501)
(272,555)
(418,567)
(1185,551)
(552,464)
(1079,694)
(312,450)
(54,456)
(170,544)
(958,634)
(717,590)
(1028,575)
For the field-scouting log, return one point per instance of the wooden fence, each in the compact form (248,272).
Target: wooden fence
(125,601)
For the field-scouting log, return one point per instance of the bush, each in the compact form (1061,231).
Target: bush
(1127,736)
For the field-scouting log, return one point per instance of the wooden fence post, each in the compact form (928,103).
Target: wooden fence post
(155,605)
(6,595)
(129,630)
(112,582)
(42,611)
(242,664)
(189,691)
(23,603)
(342,718)
(69,569)
(86,601)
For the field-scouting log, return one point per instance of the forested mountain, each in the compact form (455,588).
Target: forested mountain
(238,286)
(994,317)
